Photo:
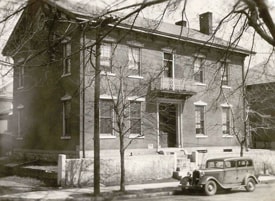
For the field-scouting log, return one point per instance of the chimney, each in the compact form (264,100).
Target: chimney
(206,23)
(181,23)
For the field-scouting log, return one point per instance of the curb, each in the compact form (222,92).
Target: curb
(123,197)
(145,193)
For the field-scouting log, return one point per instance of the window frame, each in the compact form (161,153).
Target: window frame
(19,135)
(21,72)
(199,70)
(67,57)
(109,59)
(227,122)
(111,134)
(66,118)
(140,134)
(172,65)
(131,60)
(201,120)
(224,69)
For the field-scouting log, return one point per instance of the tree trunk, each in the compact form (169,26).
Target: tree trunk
(122,165)
(242,148)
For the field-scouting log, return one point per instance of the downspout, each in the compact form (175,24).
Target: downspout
(244,106)
(83,91)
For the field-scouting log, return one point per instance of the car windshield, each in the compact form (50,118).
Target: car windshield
(214,164)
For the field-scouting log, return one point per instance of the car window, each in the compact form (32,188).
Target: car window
(230,164)
(241,163)
(214,164)
(249,163)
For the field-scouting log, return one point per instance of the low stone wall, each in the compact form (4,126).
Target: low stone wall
(42,155)
(80,172)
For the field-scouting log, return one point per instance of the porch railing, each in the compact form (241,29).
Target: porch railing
(166,83)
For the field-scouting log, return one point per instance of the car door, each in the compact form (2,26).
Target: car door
(230,170)
(241,170)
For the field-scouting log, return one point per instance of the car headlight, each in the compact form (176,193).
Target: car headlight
(202,173)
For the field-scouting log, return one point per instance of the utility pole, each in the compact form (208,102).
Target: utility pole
(96,117)
(98,24)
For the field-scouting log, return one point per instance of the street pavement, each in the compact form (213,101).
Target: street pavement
(133,191)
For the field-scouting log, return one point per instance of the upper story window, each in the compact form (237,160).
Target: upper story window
(67,52)
(168,61)
(67,108)
(199,119)
(106,57)
(21,71)
(224,73)
(226,120)
(106,116)
(135,117)
(198,70)
(134,60)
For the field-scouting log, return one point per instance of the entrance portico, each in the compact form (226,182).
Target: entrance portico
(169,123)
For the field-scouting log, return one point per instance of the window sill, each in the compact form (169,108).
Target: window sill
(65,137)
(107,136)
(66,75)
(19,88)
(107,73)
(19,138)
(226,87)
(135,76)
(201,136)
(136,136)
(227,136)
(200,84)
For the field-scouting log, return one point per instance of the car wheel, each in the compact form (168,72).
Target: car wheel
(210,188)
(250,185)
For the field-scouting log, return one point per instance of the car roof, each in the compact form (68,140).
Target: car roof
(230,158)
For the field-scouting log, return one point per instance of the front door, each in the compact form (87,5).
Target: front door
(168,125)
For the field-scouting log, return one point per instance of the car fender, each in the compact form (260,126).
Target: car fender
(204,180)
(185,180)
(250,176)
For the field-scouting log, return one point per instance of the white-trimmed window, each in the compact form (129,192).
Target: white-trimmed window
(198,70)
(168,62)
(224,73)
(20,122)
(135,118)
(67,52)
(106,116)
(226,120)
(106,57)
(134,60)
(200,119)
(21,71)
(66,116)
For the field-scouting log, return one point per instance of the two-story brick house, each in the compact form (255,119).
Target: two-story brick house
(182,86)
(260,87)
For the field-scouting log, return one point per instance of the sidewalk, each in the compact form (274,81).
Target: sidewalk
(138,190)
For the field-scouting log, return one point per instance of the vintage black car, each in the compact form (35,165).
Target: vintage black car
(222,173)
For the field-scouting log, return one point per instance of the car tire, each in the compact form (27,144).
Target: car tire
(250,185)
(210,188)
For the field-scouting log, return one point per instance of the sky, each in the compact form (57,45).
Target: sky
(194,7)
